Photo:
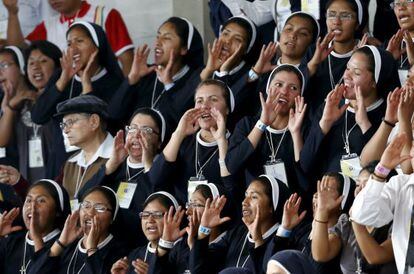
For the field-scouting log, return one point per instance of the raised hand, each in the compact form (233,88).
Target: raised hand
(291,217)
(9,92)
(11,6)
(361,116)
(392,155)
(70,65)
(264,63)
(231,61)
(220,132)
(409,47)
(9,175)
(120,266)
(192,228)
(255,228)
(6,222)
(71,231)
(394,45)
(139,66)
(406,106)
(268,114)
(322,51)
(166,74)
(362,42)
(211,215)
(328,199)
(188,124)
(87,74)
(92,240)
(172,222)
(332,111)
(148,149)
(119,153)
(214,62)
(140,266)
(393,100)
(297,115)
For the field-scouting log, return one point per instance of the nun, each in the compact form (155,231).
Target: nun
(290,261)
(88,67)
(266,143)
(128,170)
(198,147)
(90,248)
(169,84)
(340,131)
(244,245)
(44,212)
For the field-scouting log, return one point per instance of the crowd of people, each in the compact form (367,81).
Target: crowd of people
(288,154)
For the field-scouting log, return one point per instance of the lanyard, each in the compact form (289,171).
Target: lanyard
(241,253)
(198,167)
(347,133)
(35,130)
(271,146)
(154,103)
(128,176)
(24,266)
(333,84)
(80,179)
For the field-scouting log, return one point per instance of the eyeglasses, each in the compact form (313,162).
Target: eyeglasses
(342,16)
(155,214)
(399,4)
(193,205)
(100,208)
(144,130)
(5,65)
(69,122)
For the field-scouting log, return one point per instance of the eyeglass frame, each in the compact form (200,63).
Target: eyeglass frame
(342,16)
(145,129)
(6,65)
(193,205)
(157,215)
(70,122)
(396,4)
(86,205)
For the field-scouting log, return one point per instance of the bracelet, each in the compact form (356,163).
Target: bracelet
(322,222)
(261,126)
(388,123)
(253,75)
(283,232)
(165,244)
(204,230)
(60,244)
(222,163)
(381,171)
(91,250)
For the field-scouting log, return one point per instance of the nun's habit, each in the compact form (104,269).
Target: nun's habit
(17,254)
(292,262)
(236,248)
(104,85)
(345,132)
(171,100)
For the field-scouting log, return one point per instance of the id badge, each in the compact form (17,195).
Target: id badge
(2,152)
(193,183)
(125,193)
(350,165)
(403,74)
(312,7)
(35,153)
(68,147)
(276,169)
(74,205)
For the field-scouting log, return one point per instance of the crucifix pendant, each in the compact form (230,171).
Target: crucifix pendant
(22,270)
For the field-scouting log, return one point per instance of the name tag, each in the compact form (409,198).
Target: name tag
(403,74)
(193,183)
(276,169)
(350,165)
(125,193)
(35,153)
(2,152)
(74,205)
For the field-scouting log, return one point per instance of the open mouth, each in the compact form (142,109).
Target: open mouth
(403,18)
(282,101)
(158,52)
(152,228)
(38,76)
(337,31)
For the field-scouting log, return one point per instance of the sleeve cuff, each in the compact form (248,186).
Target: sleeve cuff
(168,86)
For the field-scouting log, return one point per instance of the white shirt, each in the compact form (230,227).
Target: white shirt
(259,11)
(380,203)
(104,151)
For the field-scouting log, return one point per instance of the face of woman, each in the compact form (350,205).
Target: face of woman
(9,70)
(296,36)
(341,20)
(357,74)
(89,209)
(141,126)
(81,46)
(168,40)
(40,201)
(233,36)
(405,15)
(39,68)
(153,224)
(208,97)
(287,87)
(255,196)
(196,204)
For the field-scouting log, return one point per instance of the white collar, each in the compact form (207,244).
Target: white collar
(150,249)
(373,106)
(206,144)
(279,62)
(46,238)
(344,55)
(134,165)
(276,131)
(218,239)
(100,245)
(104,151)
(97,76)
(180,74)
(267,234)
(237,68)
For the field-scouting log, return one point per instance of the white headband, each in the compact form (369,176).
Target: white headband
(214,190)
(252,26)
(286,65)
(163,124)
(190,32)
(117,201)
(360,11)
(91,30)
(345,190)
(19,56)
(58,190)
(166,194)
(275,190)
(377,59)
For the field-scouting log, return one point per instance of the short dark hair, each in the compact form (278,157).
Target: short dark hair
(290,69)
(162,199)
(224,88)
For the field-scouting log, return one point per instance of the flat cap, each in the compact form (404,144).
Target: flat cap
(83,104)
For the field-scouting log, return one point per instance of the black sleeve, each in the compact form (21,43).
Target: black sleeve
(121,104)
(160,170)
